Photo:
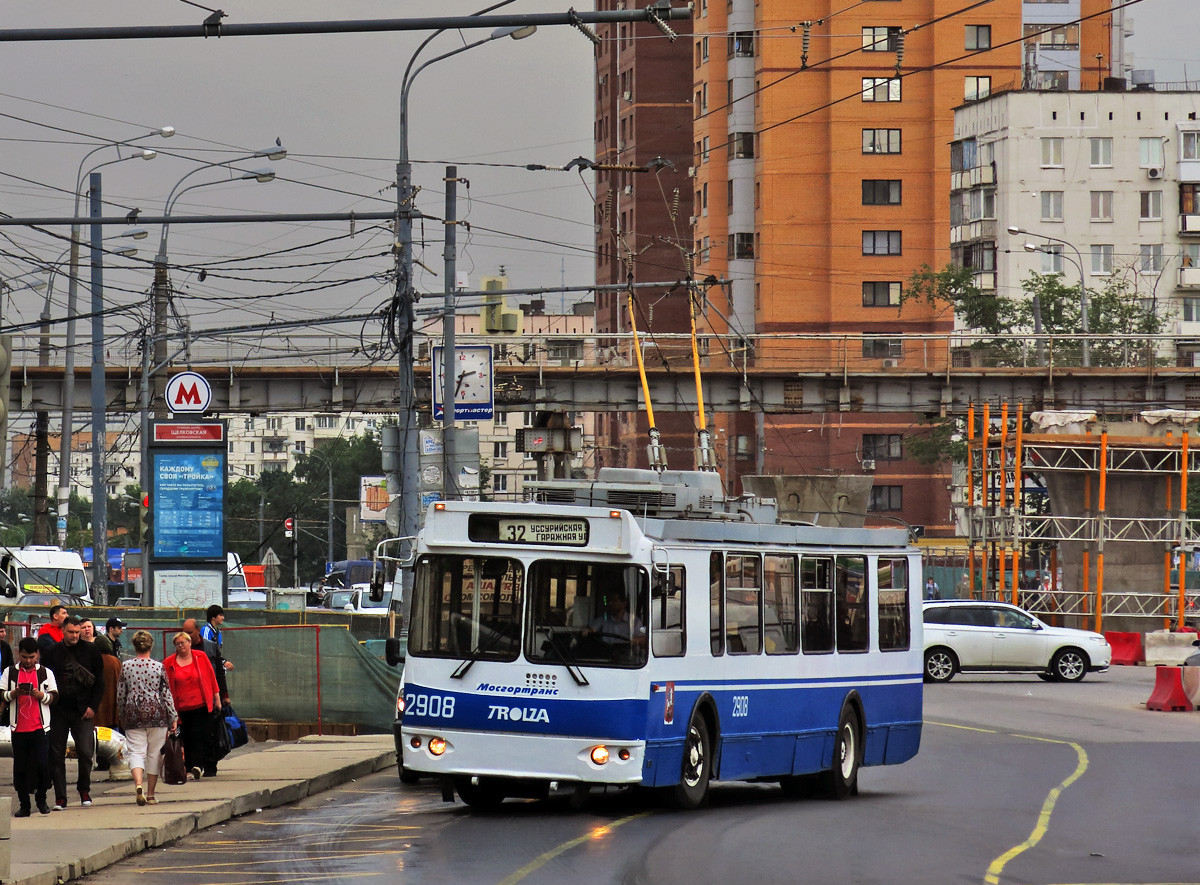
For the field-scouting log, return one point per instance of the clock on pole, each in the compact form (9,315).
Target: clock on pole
(471,375)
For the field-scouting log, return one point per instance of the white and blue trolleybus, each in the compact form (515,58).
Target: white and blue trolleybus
(641,629)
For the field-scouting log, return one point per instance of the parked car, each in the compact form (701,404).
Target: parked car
(966,636)
(359,602)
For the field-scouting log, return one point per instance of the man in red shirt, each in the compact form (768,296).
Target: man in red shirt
(29,690)
(52,632)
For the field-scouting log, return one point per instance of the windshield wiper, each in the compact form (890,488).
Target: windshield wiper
(469,661)
(572,663)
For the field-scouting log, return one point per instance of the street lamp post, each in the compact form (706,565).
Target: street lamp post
(68,396)
(162,287)
(1083,291)
(329,513)
(405,295)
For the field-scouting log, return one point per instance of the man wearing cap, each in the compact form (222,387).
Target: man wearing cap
(109,642)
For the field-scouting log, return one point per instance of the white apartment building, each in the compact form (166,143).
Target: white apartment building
(1108,181)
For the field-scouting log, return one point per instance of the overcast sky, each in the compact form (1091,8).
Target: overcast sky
(333,102)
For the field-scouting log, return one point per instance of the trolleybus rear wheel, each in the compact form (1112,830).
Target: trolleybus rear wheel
(842,777)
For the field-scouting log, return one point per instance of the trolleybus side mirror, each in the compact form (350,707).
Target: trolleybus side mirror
(393,652)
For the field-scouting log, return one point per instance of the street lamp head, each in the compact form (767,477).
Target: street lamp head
(136,233)
(166,131)
(126,251)
(148,154)
(517,33)
(1031,247)
(1013,229)
(274,153)
(262,176)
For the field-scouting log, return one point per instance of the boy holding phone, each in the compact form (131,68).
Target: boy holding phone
(29,689)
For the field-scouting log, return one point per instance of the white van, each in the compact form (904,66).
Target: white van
(41,570)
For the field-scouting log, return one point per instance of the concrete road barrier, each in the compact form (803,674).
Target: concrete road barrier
(1164,648)
(1127,648)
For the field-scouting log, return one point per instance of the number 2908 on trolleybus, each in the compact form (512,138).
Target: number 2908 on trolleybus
(643,630)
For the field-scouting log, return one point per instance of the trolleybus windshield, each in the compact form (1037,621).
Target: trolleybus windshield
(467,607)
(587,613)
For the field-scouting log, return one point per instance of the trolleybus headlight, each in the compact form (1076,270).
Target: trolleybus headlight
(415,743)
(437,746)
(600,755)
(623,754)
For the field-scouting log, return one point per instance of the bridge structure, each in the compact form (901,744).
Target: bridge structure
(257,373)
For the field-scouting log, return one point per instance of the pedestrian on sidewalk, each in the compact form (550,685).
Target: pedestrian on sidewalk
(211,634)
(52,632)
(147,711)
(109,642)
(29,691)
(194,688)
(79,673)
(6,653)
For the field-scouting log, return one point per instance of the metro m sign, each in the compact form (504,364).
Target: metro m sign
(188,392)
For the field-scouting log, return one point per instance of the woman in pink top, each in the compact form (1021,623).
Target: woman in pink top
(194,687)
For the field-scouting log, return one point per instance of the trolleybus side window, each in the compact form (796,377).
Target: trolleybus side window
(780,605)
(716,603)
(743,604)
(816,598)
(587,613)
(894,632)
(668,632)
(853,630)
(467,606)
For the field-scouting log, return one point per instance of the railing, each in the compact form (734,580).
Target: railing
(949,352)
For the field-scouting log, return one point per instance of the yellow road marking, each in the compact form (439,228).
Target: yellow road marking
(542,859)
(289,877)
(310,859)
(962,727)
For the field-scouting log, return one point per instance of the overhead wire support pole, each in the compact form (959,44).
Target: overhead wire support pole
(99,424)
(655,12)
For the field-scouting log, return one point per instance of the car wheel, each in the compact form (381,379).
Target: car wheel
(1069,665)
(841,780)
(940,665)
(482,796)
(692,789)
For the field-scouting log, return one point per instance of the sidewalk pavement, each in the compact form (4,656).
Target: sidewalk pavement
(254,777)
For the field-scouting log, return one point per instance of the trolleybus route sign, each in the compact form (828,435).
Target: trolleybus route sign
(571,532)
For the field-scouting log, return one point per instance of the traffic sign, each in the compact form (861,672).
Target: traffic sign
(189,392)
(289,525)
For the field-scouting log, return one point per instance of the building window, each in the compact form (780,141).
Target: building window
(964,155)
(877,347)
(881,141)
(1189,145)
(881,242)
(881,293)
(1150,153)
(704,199)
(1061,37)
(1152,257)
(976,88)
(301,424)
(500,449)
(882,446)
(880,39)
(274,424)
(881,192)
(741,246)
(1052,152)
(1102,259)
(704,49)
(1189,199)
(1191,310)
(743,145)
(979,37)
(499,419)
(326,422)
(1191,255)
(1102,205)
(249,470)
(1052,205)
(1151,206)
(300,446)
(880,88)
(1101,151)
(500,482)
(249,424)
(250,447)
(886,498)
(741,45)
(1052,260)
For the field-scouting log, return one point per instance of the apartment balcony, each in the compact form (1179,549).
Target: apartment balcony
(984,229)
(1189,277)
(1189,225)
(969,178)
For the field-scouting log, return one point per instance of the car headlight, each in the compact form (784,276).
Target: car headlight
(1099,639)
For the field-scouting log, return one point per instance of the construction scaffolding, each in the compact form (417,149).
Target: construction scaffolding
(1101,483)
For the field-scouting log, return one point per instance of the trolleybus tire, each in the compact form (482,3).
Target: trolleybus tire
(1069,665)
(485,795)
(841,780)
(406,776)
(692,789)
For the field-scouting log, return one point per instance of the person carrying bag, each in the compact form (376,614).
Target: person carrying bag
(174,771)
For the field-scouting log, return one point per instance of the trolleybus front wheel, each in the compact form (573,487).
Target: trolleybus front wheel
(481,793)
(842,777)
(692,789)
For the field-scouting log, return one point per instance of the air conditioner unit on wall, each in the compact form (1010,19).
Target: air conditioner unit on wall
(1154,172)
(891,364)
(868,465)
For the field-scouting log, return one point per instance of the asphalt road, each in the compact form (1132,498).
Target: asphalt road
(1017,781)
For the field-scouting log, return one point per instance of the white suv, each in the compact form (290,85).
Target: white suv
(963,635)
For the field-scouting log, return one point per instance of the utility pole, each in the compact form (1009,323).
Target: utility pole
(99,423)
(449,363)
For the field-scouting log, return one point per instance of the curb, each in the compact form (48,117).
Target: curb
(138,840)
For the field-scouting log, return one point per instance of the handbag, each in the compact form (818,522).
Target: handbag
(174,771)
(221,742)
(238,736)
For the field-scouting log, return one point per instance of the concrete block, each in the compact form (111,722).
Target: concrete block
(216,814)
(292,792)
(1168,649)
(6,819)
(328,780)
(248,802)
(171,829)
(34,874)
